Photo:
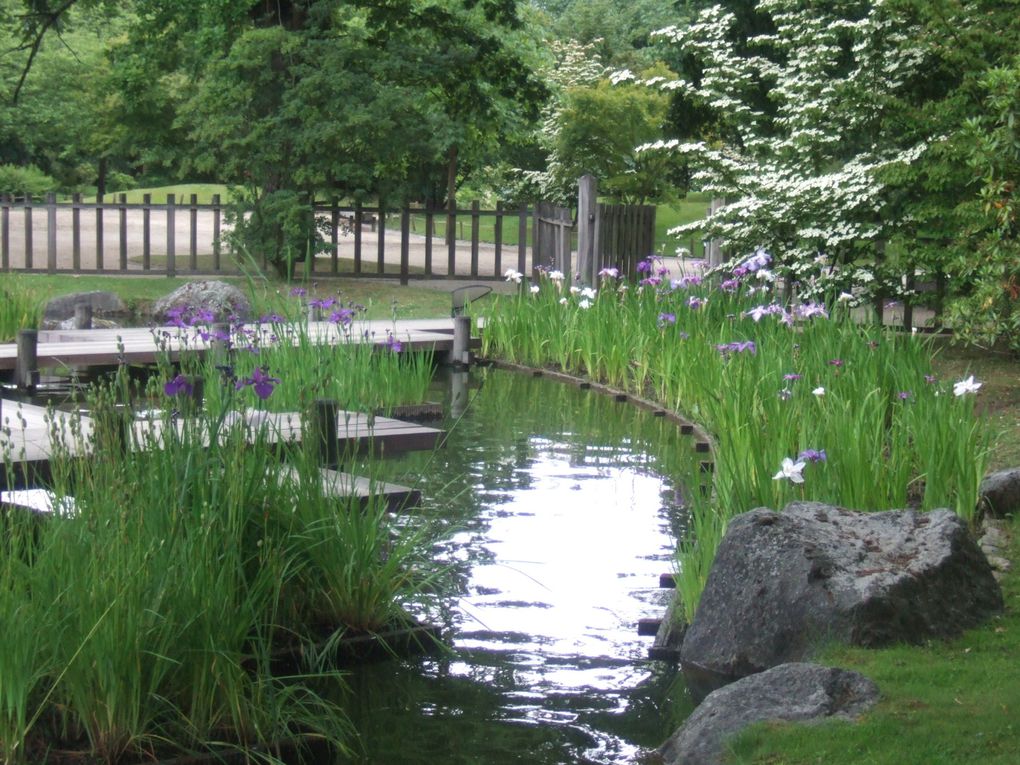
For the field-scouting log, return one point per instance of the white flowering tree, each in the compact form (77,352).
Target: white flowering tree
(802,169)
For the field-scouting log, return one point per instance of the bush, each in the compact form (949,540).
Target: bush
(27,180)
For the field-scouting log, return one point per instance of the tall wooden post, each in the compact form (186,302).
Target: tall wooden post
(51,232)
(587,228)
(216,231)
(122,217)
(322,427)
(461,354)
(146,232)
(26,366)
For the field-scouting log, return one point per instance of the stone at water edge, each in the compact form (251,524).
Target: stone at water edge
(784,583)
(789,692)
(1000,493)
(223,300)
(61,308)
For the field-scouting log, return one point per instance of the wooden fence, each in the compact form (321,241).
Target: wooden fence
(185,237)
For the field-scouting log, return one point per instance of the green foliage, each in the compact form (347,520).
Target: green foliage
(27,180)
(21,306)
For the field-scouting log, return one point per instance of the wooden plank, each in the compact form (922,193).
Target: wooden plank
(193,234)
(99,232)
(343,486)
(497,234)
(171,236)
(51,232)
(122,216)
(475,236)
(28,232)
(76,232)
(5,232)
(216,232)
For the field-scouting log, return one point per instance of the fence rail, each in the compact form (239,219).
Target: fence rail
(182,236)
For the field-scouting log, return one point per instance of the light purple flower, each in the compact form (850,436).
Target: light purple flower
(298,292)
(666,318)
(904,395)
(792,376)
(835,362)
(343,317)
(694,303)
(745,346)
(685,281)
(392,343)
(730,285)
(811,311)
(812,455)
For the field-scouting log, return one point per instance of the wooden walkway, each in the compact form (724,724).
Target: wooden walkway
(26,442)
(60,349)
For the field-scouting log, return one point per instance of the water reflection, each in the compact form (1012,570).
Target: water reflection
(562,516)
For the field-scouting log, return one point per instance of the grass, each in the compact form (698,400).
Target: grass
(382,299)
(182,193)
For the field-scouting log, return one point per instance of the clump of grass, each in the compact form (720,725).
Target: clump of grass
(145,621)
(21,306)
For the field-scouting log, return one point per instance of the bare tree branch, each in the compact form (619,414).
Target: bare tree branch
(34,38)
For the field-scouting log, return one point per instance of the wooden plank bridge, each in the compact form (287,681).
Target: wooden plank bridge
(62,349)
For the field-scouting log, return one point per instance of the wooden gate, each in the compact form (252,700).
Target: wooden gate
(625,235)
(552,236)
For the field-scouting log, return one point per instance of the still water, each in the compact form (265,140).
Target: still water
(561,509)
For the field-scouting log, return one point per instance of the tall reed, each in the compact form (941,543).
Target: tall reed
(21,307)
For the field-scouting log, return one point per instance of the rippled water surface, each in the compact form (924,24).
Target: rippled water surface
(561,508)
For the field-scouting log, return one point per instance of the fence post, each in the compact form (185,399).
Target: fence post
(5,232)
(429,232)
(76,232)
(359,215)
(51,232)
(497,234)
(334,234)
(122,212)
(146,232)
(171,234)
(451,242)
(28,231)
(405,244)
(99,232)
(714,254)
(193,239)
(475,235)
(522,239)
(587,224)
(380,252)
(908,304)
(216,232)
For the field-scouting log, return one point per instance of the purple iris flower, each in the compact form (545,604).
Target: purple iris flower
(904,395)
(260,382)
(204,316)
(694,303)
(179,384)
(344,316)
(730,285)
(324,303)
(298,292)
(644,267)
(271,318)
(745,346)
(812,455)
(792,376)
(666,318)
(393,344)
(835,362)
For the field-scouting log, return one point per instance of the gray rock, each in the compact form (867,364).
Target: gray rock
(225,301)
(96,324)
(783,583)
(1000,492)
(103,304)
(789,692)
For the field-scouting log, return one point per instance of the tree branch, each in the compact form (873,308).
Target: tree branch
(36,35)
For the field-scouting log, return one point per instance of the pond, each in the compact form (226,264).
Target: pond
(562,507)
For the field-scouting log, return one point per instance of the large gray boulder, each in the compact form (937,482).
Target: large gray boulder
(1000,492)
(223,301)
(61,308)
(789,692)
(783,583)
